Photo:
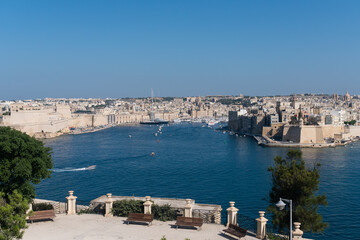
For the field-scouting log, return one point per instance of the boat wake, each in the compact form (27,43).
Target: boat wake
(74,169)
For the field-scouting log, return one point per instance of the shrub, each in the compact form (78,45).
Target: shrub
(42,206)
(122,208)
(163,238)
(87,211)
(164,212)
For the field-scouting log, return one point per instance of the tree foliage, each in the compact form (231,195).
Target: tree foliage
(292,180)
(12,216)
(294,120)
(24,161)
(352,122)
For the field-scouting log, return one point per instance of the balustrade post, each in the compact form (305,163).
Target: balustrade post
(188,208)
(261,225)
(232,214)
(71,202)
(108,205)
(147,205)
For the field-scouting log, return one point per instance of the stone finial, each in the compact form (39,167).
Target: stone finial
(71,193)
(297,233)
(261,225)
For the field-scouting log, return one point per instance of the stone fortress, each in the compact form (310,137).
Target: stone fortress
(308,121)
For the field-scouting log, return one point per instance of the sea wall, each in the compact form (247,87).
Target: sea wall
(291,133)
(311,134)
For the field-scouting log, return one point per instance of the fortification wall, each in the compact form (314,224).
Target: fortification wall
(330,130)
(312,134)
(81,120)
(276,130)
(354,131)
(291,133)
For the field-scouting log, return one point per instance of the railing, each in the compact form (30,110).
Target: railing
(81,205)
(59,207)
(246,222)
(207,215)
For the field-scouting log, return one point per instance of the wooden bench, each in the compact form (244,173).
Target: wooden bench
(235,231)
(189,222)
(140,217)
(42,215)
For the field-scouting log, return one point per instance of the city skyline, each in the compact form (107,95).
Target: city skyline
(188,48)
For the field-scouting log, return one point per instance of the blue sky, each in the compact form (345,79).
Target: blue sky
(178,48)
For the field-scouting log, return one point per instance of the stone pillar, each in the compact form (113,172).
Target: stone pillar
(261,225)
(71,202)
(108,205)
(297,233)
(232,214)
(218,215)
(147,205)
(29,210)
(188,208)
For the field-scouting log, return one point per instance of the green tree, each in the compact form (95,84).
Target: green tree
(12,215)
(294,120)
(291,179)
(24,161)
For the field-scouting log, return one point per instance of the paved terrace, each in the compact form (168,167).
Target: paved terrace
(94,227)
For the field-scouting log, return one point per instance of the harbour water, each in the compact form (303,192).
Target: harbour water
(197,162)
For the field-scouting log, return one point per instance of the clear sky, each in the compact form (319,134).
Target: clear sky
(179,48)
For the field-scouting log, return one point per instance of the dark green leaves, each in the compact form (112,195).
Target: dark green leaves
(291,179)
(24,161)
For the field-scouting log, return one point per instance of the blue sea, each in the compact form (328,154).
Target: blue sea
(197,162)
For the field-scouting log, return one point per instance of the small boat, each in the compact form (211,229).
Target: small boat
(92,167)
(130,136)
(155,134)
(152,154)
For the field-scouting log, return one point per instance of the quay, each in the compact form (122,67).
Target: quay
(265,141)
